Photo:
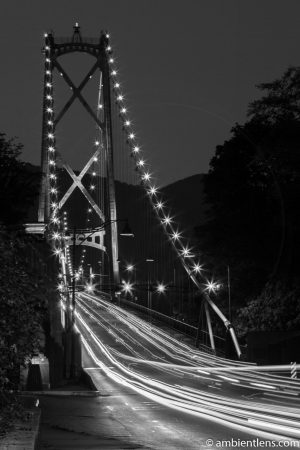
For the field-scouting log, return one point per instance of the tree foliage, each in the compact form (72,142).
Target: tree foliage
(253,186)
(23,279)
(276,308)
(22,308)
(19,183)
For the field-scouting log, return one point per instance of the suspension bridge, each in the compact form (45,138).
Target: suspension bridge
(117,242)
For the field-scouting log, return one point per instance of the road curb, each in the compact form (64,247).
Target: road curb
(53,393)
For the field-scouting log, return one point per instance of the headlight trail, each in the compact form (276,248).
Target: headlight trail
(194,357)
(234,416)
(150,349)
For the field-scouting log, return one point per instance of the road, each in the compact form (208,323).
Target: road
(164,394)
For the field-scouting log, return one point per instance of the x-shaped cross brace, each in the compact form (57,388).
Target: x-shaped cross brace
(77,179)
(77,183)
(77,93)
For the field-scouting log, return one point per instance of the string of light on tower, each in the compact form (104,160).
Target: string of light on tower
(183,250)
(54,226)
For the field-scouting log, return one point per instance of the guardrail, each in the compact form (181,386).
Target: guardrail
(182,327)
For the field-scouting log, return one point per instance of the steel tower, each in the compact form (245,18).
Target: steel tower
(49,203)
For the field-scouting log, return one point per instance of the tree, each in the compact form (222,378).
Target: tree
(19,183)
(23,289)
(253,186)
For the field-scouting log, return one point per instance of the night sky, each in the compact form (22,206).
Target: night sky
(188,68)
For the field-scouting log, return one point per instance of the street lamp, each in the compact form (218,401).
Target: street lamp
(71,360)
(87,233)
(149,291)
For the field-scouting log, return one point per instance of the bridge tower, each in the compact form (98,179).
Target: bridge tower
(50,201)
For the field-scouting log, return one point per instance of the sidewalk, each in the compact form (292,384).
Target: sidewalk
(25,433)
(79,422)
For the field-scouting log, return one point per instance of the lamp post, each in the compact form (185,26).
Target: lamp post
(149,288)
(87,233)
(73,360)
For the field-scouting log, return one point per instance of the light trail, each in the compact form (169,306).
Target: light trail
(212,365)
(262,419)
(168,396)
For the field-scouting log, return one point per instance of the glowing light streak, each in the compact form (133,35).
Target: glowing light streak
(232,416)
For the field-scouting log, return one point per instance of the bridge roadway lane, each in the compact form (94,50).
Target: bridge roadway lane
(165,395)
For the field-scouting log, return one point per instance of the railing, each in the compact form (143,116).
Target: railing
(182,327)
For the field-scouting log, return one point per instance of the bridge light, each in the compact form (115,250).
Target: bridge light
(120,98)
(49,110)
(48,72)
(49,97)
(117,85)
(50,122)
(48,84)
(130,267)
(92,187)
(111,60)
(51,148)
(114,73)
(161,288)
(51,162)
(197,268)
(152,190)
(146,176)
(47,47)
(131,136)
(47,60)
(159,205)
(212,286)
(141,163)
(50,135)
(97,143)
(100,106)
(127,123)
(108,48)
(167,220)
(123,110)
(127,287)
(89,287)
(176,235)
(52,176)
(136,149)
(186,252)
